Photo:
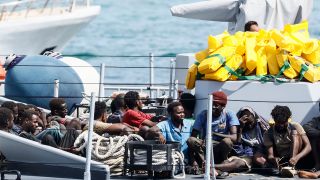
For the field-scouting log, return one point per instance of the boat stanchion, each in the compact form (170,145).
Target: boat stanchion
(151,72)
(101,82)
(87,173)
(209,141)
(56,88)
(175,89)
(172,63)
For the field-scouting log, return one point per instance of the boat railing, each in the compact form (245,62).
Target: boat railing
(33,8)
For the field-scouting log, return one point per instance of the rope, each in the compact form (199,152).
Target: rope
(111,150)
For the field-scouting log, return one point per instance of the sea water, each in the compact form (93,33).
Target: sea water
(138,27)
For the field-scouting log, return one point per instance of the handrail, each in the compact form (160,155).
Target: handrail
(23,9)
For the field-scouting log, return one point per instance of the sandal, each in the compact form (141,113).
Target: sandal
(222,175)
(314,170)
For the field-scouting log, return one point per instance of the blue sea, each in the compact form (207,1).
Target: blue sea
(138,27)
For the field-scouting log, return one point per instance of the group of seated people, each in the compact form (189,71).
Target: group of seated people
(241,142)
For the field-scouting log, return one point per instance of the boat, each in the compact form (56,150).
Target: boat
(48,24)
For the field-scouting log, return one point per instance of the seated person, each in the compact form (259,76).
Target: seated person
(286,142)
(134,116)
(14,108)
(6,120)
(224,132)
(312,129)
(55,131)
(118,108)
(29,120)
(175,128)
(188,102)
(101,127)
(250,149)
(58,107)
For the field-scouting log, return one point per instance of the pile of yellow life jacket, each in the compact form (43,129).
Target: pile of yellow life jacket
(258,55)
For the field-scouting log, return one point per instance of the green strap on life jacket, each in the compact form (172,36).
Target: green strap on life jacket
(304,69)
(222,59)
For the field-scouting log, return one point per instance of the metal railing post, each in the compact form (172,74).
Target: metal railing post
(208,139)
(87,173)
(171,77)
(151,72)
(56,88)
(101,83)
(88,3)
(175,89)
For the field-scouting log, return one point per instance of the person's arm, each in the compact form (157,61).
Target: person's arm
(306,148)
(232,135)
(148,123)
(310,128)
(239,134)
(198,124)
(155,133)
(195,133)
(242,121)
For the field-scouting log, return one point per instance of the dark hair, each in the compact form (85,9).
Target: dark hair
(248,25)
(117,103)
(100,109)
(172,105)
(130,98)
(9,104)
(188,101)
(26,115)
(55,103)
(281,113)
(5,115)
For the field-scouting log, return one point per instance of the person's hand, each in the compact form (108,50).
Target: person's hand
(293,161)
(162,139)
(243,120)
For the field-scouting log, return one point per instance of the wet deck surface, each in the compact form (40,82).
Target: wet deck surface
(194,177)
(234,176)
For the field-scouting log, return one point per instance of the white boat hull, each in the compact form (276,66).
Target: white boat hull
(33,35)
(18,149)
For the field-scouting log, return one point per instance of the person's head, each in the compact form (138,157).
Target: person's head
(132,100)
(250,117)
(6,118)
(219,102)
(251,26)
(29,120)
(100,111)
(13,107)
(176,111)
(58,107)
(118,103)
(188,102)
(281,115)
(33,108)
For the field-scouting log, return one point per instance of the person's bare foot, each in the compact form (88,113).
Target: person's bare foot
(308,175)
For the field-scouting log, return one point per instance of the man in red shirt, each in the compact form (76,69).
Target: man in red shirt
(134,116)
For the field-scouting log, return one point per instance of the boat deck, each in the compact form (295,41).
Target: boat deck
(195,177)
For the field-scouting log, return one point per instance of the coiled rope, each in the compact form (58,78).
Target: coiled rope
(110,151)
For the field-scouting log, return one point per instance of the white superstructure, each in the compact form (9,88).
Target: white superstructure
(33,26)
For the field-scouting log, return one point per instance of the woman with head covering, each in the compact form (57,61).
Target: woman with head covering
(249,148)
